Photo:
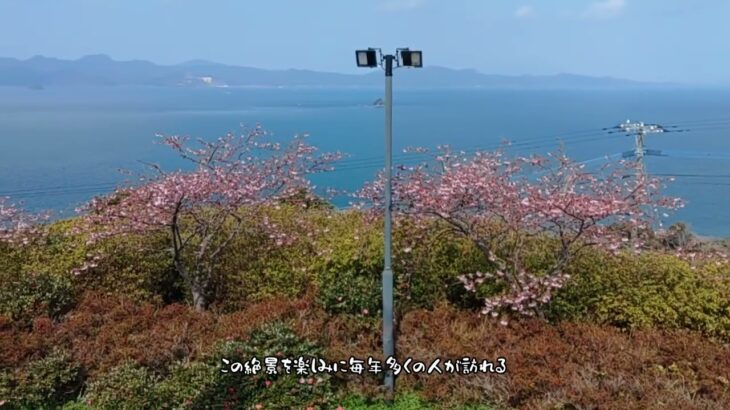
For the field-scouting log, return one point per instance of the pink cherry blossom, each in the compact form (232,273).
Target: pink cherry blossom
(17,226)
(502,203)
(202,210)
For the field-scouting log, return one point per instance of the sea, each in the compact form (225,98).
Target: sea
(60,146)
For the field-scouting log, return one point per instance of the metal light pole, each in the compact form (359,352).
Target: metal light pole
(388,334)
(368,58)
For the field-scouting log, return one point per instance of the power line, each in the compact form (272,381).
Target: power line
(57,188)
(525,144)
(574,138)
(701,121)
(362,163)
(58,193)
(692,175)
(419,157)
(704,183)
(543,138)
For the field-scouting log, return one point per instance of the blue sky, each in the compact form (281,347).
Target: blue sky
(658,40)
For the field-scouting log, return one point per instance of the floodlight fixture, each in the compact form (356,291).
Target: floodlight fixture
(411,58)
(367,58)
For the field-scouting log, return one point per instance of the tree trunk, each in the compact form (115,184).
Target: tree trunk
(197,290)
(200,302)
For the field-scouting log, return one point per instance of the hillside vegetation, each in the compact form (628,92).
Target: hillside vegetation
(533,283)
(626,332)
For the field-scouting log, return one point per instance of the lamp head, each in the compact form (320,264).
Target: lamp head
(410,58)
(367,58)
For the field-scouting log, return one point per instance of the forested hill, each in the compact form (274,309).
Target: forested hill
(101,70)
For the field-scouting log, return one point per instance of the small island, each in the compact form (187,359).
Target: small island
(378,103)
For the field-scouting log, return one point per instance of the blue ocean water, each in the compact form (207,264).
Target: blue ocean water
(61,146)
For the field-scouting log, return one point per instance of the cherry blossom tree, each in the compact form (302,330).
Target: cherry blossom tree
(503,204)
(201,210)
(18,226)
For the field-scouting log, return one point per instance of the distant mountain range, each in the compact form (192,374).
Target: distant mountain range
(101,70)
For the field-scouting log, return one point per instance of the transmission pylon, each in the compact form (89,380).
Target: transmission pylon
(639,130)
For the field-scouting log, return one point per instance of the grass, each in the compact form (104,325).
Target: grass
(404,401)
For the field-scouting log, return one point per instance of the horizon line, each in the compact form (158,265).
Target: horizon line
(472,70)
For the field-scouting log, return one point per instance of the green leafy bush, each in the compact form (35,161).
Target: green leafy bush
(24,296)
(234,390)
(642,291)
(75,405)
(254,268)
(185,384)
(58,252)
(348,265)
(428,261)
(350,292)
(407,401)
(341,254)
(135,266)
(10,258)
(44,383)
(127,386)
(325,244)
(404,401)
(35,278)
(426,264)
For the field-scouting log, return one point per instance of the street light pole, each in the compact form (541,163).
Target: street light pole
(388,334)
(369,58)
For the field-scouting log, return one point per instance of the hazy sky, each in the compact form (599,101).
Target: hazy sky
(659,40)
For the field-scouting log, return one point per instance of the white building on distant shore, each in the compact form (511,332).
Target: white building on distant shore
(205,80)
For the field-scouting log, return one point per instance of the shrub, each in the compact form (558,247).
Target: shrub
(10,260)
(75,405)
(20,344)
(105,331)
(404,401)
(254,268)
(137,266)
(348,265)
(128,386)
(24,296)
(185,384)
(58,252)
(350,292)
(272,390)
(35,277)
(644,291)
(428,261)
(134,266)
(44,383)
(569,365)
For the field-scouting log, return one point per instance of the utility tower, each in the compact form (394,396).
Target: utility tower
(640,130)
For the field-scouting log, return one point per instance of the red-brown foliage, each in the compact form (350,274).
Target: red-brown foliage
(570,365)
(18,344)
(104,331)
(581,365)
